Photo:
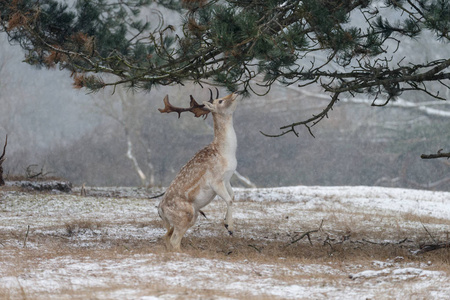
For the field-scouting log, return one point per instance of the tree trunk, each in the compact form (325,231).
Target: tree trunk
(132,157)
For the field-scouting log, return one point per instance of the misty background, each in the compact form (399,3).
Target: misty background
(121,139)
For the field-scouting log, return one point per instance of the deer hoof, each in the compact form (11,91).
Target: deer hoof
(229,231)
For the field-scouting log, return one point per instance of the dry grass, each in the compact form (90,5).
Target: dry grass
(341,245)
(345,257)
(343,240)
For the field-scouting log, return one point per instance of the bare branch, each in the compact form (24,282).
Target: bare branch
(309,122)
(439,154)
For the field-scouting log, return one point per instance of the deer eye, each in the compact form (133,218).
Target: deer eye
(220,102)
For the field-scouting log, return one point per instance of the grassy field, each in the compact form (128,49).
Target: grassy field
(289,243)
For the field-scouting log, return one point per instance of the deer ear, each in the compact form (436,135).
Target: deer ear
(209,106)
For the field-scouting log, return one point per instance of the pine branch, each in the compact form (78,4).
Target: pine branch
(232,42)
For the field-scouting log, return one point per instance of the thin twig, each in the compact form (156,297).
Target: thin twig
(254,247)
(26,237)
(307,234)
(432,237)
(432,247)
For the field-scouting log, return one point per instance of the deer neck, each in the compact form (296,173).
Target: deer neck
(224,135)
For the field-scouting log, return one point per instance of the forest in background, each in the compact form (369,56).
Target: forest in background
(120,139)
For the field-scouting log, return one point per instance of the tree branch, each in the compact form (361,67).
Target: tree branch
(439,154)
(309,122)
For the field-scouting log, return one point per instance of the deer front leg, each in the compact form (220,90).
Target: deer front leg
(223,190)
(229,213)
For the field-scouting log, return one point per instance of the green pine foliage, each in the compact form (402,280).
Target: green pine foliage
(222,40)
(437,17)
(229,43)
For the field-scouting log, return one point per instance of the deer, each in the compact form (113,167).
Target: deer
(205,175)
(2,159)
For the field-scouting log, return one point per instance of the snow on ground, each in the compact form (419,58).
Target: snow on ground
(108,246)
(420,202)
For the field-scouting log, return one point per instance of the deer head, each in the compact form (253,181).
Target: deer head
(199,110)
(2,159)
(222,106)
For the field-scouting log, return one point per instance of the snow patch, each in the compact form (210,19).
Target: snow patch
(400,274)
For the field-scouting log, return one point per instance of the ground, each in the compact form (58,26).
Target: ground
(290,243)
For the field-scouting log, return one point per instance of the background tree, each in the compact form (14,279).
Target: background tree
(243,45)
(129,112)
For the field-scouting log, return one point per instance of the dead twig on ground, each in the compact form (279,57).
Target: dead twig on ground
(386,243)
(431,247)
(256,248)
(307,234)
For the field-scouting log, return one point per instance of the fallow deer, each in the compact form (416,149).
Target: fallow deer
(2,159)
(206,175)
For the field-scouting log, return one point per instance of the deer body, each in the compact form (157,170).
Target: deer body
(206,175)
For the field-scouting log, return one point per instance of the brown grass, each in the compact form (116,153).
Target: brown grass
(349,242)
(232,249)
(337,246)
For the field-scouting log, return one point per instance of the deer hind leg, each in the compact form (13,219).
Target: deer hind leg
(178,233)
(182,219)
(167,237)
(176,237)
(167,225)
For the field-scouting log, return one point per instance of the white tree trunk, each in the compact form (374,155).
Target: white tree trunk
(131,156)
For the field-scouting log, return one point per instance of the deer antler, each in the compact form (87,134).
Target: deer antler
(4,148)
(197,109)
(211,95)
